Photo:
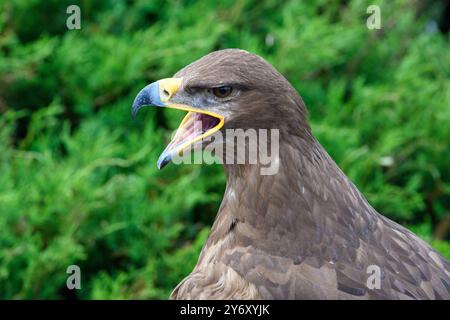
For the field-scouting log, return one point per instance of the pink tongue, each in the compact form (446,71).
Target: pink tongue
(195,125)
(191,128)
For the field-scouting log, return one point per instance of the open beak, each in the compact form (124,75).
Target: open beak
(196,125)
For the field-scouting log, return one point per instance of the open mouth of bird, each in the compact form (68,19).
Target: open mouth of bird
(195,126)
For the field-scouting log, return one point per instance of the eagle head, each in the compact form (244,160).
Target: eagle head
(226,89)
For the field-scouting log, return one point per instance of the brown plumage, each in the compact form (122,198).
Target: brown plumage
(305,232)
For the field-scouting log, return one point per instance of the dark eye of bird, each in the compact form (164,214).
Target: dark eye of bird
(222,92)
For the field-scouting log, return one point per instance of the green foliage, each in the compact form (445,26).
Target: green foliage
(78,180)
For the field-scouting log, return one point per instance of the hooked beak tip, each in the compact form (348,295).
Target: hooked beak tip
(134,110)
(148,96)
(163,160)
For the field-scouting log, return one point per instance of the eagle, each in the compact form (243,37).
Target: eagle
(304,232)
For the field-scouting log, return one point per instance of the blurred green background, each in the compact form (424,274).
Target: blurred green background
(78,178)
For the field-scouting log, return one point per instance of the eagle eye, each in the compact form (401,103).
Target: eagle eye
(222,92)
